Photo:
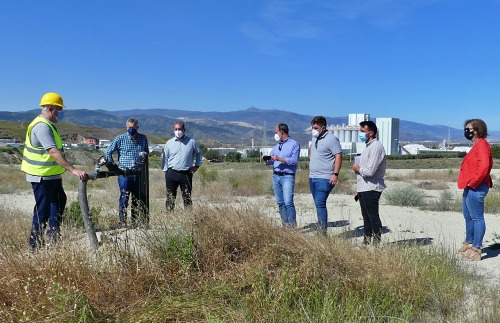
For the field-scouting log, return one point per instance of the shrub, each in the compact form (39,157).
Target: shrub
(212,154)
(404,196)
(73,215)
(492,202)
(207,174)
(233,156)
(445,202)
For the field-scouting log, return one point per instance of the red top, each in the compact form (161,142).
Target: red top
(476,166)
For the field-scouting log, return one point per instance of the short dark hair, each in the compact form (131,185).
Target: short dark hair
(319,120)
(478,125)
(370,125)
(283,127)
(181,124)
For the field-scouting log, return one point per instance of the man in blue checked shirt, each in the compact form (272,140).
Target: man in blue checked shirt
(285,159)
(129,146)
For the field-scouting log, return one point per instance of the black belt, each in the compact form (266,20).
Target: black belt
(282,173)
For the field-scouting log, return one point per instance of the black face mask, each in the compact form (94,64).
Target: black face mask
(468,134)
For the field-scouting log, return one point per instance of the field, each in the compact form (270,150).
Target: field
(229,259)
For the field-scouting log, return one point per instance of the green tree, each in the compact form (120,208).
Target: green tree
(255,153)
(495,151)
(233,156)
(212,154)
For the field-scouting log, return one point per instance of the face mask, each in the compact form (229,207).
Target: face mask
(277,137)
(132,131)
(315,133)
(468,134)
(362,136)
(178,133)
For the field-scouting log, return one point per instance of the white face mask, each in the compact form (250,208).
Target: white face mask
(315,133)
(277,137)
(178,133)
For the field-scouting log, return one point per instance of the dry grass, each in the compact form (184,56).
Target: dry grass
(439,175)
(433,185)
(230,264)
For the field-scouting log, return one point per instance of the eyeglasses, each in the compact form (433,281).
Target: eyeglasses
(280,145)
(469,129)
(177,129)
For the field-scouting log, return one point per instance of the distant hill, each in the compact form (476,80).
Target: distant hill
(213,128)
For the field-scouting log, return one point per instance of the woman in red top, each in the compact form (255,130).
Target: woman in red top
(474,178)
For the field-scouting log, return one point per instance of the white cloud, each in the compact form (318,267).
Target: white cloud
(282,21)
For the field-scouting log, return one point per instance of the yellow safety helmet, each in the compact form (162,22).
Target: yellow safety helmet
(52,98)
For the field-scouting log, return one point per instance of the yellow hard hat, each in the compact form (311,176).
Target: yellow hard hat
(51,98)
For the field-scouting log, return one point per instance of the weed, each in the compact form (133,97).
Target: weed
(432,185)
(445,202)
(73,215)
(404,196)
(496,241)
(492,202)
(207,174)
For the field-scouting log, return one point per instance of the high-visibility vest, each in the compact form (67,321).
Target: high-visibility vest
(38,161)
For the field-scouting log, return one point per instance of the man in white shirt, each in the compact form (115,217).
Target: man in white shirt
(370,181)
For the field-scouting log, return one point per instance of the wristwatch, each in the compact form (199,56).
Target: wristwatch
(336,174)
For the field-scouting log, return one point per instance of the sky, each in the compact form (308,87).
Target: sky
(427,61)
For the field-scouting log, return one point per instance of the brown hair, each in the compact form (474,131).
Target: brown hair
(478,125)
(320,120)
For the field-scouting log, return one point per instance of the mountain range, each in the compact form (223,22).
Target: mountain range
(236,128)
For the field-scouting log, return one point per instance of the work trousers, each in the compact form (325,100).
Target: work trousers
(175,179)
(369,202)
(50,201)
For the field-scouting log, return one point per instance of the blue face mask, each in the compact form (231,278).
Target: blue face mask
(362,136)
(132,131)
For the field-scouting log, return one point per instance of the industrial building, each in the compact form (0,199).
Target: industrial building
(388,134)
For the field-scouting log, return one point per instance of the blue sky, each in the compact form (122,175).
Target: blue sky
(428,61)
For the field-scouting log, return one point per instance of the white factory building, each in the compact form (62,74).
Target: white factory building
(388,134)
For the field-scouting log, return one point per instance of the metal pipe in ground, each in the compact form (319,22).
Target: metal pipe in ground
(84,207)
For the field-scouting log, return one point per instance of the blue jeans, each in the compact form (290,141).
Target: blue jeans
(283,191)
(50,201)
(128,186)
(320,189)
(473,208)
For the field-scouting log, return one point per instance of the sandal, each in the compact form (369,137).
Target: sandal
(473,254)
(465,246)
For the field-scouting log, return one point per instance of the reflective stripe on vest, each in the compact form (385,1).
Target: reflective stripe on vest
(38,161)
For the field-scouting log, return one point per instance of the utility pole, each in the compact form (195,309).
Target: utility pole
(449,124)
(264,137)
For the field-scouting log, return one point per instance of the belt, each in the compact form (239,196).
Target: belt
(282,173)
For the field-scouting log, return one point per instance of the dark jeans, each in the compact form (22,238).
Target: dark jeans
(50,201)
(369,202)
(129,185)
(173,180)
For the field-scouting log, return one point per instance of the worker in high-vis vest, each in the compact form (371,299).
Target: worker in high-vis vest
(44,162)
